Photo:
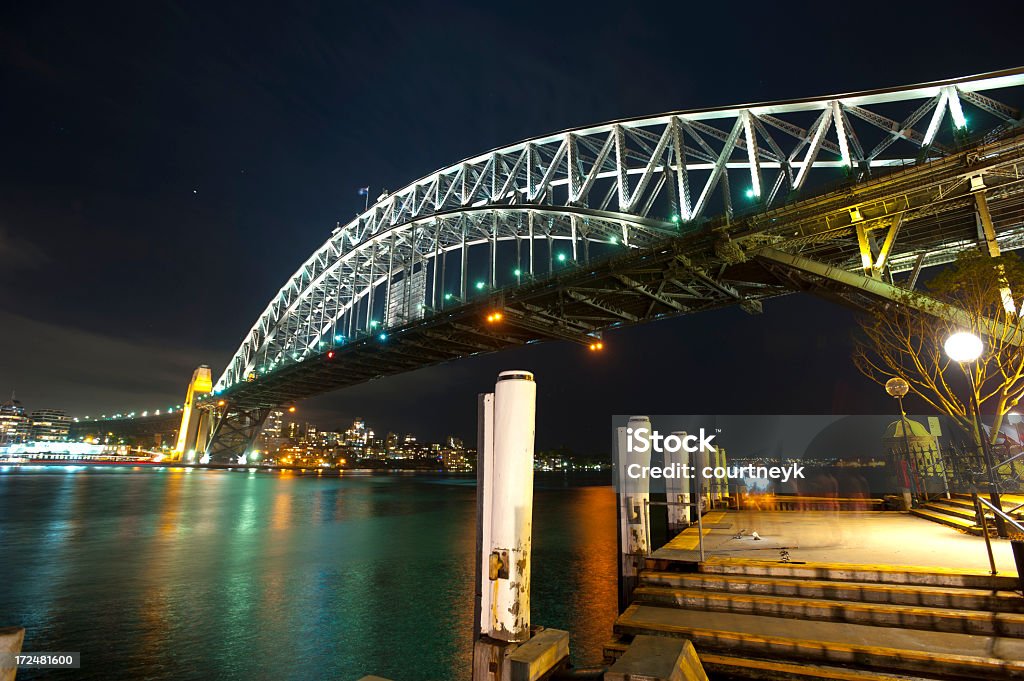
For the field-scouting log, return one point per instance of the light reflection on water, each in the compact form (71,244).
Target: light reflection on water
(175,574)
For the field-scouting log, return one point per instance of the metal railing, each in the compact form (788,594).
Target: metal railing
(979,504)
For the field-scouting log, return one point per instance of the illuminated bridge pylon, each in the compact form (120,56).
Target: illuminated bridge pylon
(565,236)
(194,429)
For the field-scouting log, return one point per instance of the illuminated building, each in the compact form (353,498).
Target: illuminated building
(271,437)
(272,426)
(50,425)
(14,425)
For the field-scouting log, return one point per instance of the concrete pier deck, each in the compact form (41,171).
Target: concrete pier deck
(869,538)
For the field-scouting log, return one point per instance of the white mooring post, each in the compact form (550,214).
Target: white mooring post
(503,649)
(508,507)
(677,489)
(634,511)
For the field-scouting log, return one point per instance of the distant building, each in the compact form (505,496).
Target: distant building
(274,423)
(50,425)
(272,435)
(15,426)
(309,435)
(453,455)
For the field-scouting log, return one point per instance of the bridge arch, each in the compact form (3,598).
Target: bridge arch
(429,264)
(621,184)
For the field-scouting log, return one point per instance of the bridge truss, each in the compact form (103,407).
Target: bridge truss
(568,235)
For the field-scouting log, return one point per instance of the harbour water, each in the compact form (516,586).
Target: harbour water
(202,574)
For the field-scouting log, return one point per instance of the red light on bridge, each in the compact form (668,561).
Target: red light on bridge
(330,354)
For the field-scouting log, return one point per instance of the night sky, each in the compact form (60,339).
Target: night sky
(167,165)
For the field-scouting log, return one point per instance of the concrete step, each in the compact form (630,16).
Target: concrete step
(1009,500)
(728,666)
(952,509)
(856,572)
(963,502)
(863,592)
(614,648)
(963,509)
(944,518)
(966,502)
(874,614)
(880,649)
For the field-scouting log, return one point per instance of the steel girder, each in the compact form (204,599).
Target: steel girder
(630,185)
(235,432)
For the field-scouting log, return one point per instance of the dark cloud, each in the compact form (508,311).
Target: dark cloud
(51,365)
(18,254)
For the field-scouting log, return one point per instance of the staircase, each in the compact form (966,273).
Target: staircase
(751,619)
(958,512)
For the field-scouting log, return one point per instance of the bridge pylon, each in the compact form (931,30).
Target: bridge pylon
(192,419)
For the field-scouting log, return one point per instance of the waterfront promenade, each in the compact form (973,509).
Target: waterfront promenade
(861,537)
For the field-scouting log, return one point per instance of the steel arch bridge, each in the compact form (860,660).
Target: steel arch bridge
(567,235)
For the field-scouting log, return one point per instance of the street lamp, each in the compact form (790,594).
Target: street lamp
(963,347)
(898,388)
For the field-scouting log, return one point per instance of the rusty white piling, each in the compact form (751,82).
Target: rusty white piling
(634,503)
(505,484)
(677,489)
(634,487)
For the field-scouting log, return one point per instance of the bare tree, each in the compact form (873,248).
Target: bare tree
(899,340)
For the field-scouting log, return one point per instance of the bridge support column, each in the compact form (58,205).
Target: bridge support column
(992,245)
(188,431)
(203,430)
(234,434)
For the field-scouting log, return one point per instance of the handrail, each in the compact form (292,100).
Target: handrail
(979,503)
(999,511)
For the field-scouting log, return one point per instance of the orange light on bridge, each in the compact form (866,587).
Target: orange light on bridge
(594,347)
(494,317)
(291,409)
(221,403)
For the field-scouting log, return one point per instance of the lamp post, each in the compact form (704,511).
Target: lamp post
(898,388)
(963,347)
